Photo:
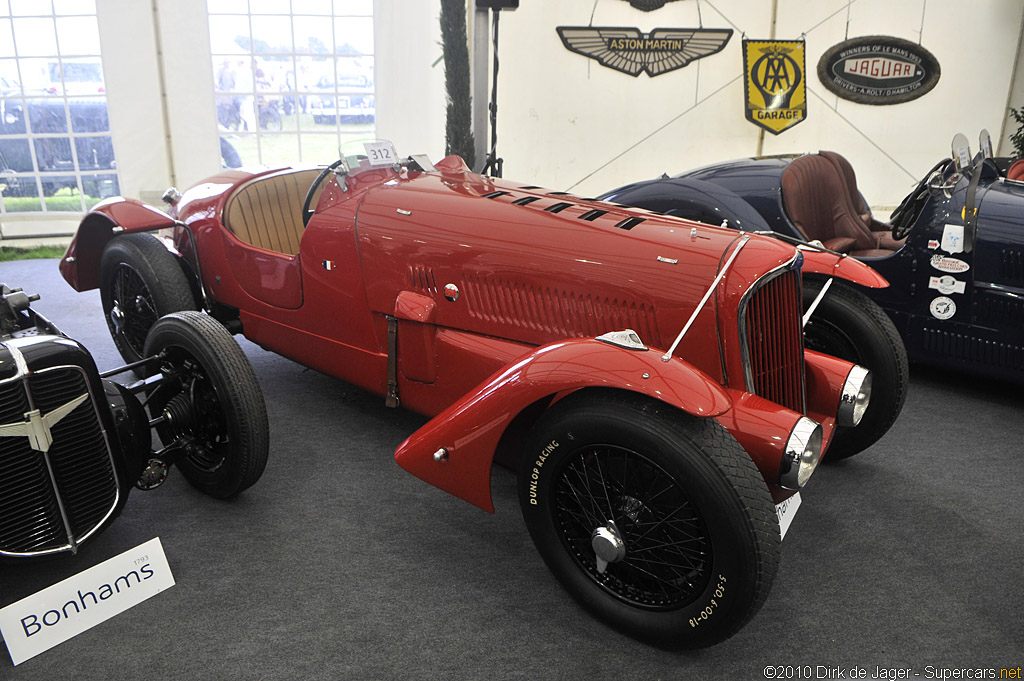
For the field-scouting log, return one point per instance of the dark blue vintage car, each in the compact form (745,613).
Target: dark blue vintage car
(953,251)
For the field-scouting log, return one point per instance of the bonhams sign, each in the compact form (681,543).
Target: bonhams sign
(878,70)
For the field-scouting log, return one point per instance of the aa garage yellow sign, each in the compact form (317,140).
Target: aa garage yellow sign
(775,86)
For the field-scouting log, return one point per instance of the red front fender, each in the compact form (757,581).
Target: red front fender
(80,265)
(842,266)
(470,429)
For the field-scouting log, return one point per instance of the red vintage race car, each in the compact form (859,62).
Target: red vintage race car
(646,374)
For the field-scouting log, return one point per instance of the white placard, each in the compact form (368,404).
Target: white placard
(380,153)
(59,612)
(953,239)
(786,512)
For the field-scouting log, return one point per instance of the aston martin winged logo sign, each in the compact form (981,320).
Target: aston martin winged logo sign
(36,426)
(632,51)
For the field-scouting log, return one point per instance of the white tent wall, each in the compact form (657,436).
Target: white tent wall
(565,121)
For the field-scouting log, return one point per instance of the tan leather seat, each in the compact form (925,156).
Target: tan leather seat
(267,212)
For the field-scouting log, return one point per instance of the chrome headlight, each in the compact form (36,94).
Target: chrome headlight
(803,452)
(855,398)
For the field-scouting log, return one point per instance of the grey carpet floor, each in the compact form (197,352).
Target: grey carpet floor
(339,565)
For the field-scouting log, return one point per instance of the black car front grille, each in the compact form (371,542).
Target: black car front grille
(30,514)
(774,342)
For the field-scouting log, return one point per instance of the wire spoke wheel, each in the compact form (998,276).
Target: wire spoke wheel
(134,311)
(666,550)
(656,521)
(140,281)
(210,403)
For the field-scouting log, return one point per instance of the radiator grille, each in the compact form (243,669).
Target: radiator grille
(774,349)
(30,518)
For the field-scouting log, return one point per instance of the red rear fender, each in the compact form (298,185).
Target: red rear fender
(80,265)
(844,267)
(470,429)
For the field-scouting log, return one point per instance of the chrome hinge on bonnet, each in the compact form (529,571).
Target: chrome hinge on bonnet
(704,301)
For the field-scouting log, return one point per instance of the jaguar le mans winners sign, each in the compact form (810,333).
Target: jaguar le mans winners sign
(774,84)
(879,70)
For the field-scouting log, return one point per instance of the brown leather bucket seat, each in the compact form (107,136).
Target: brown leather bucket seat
(818,195)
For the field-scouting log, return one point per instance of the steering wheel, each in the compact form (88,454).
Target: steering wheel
(902,219)
(306,212)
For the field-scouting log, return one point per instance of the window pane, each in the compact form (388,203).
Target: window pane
(9,82)
(47,116)
(272,35)
(320,149)
(95,188)
(78,35)
(89,115)
(268,7)
(311,6)
(229,34)
(16,156)
(62,193)
(30,7)
(81,76)
(271,116)
(20,193)
(315,73)
(354,7)
(279,149)
(35,37)
(6,39)
(353,36)
(53,153)
(227,6)
(5,8)
(12,120)
(312,35)
(41,77)
(66,7)
(354,75)
(94,153)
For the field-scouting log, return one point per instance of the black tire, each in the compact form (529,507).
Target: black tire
(849,325)
(140,281)
(215,401)
(667,480)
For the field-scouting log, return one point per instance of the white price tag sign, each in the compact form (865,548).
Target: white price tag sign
(381,153)
(57,613)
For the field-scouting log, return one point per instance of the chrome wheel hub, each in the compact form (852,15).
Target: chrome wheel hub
(608,545)
(117,317)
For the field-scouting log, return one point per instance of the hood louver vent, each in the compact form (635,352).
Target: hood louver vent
(494,195)
(557,207)
(630,223)
(1013,265)
(526,200)
(423,279)
(556,311)
(592,215)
